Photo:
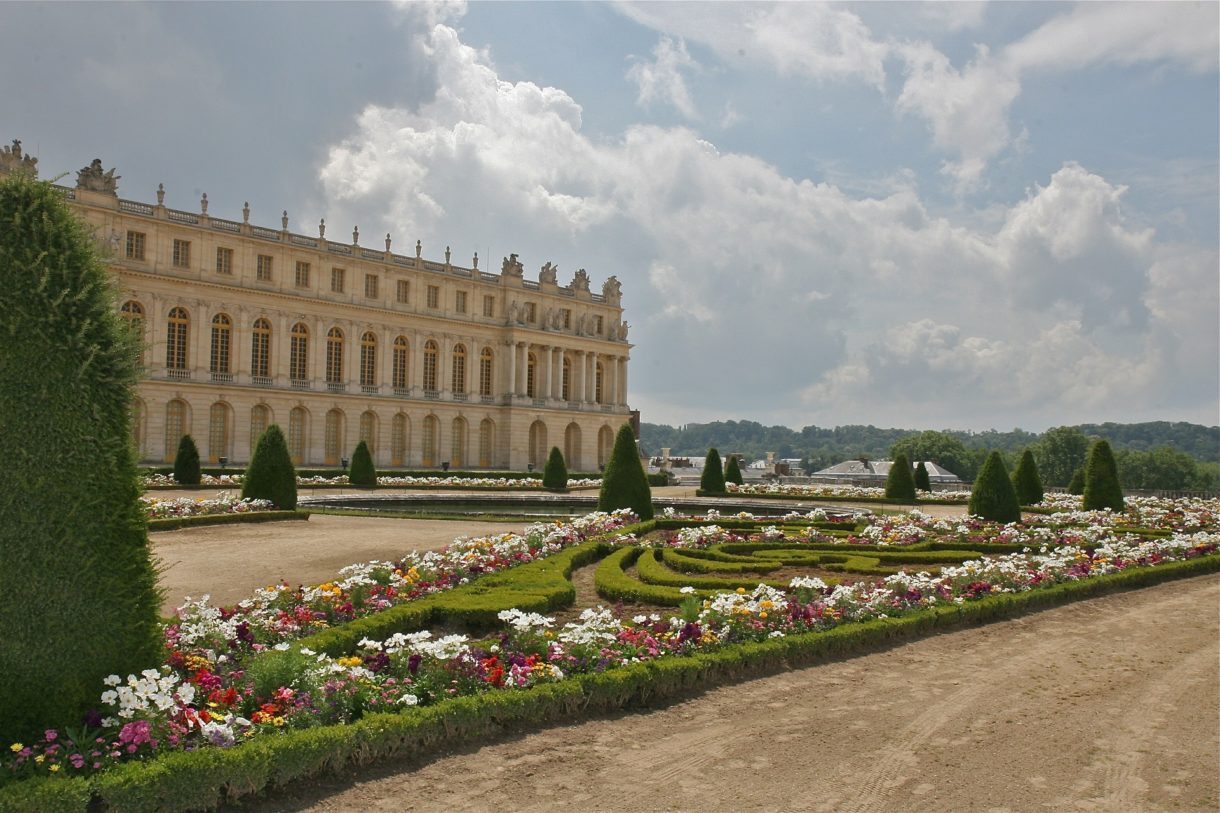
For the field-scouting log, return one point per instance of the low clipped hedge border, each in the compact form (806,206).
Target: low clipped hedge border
(182,781)
(807,498)
(174,523)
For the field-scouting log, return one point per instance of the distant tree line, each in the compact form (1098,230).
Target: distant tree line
(1154,455)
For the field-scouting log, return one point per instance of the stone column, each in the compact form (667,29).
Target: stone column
(590,377)
(622,389)
(199,342)
(239,348)
(416,371)
(510,379)
(317,349)
(281,352)
(544,368)
(385,363)
(557,375)
(577,393)
(522,354)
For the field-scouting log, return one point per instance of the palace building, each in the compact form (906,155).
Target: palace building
(428,362)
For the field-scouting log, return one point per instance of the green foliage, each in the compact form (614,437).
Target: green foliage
(78,594)
(900,484)
(993,496)
(1026,482)
(712,480)
(1164,468)
(244,518)
(555,474)
(1101,488)
(186,462)
(362,472)
(732,472)
(624,484)
(940,448)
(1060,452)
(922,480)
(1076,486)
(270,475)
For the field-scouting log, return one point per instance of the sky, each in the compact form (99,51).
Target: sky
(940,215)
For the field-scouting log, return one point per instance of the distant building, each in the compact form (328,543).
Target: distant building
(871,472)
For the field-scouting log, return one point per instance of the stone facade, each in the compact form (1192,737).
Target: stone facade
(430,362)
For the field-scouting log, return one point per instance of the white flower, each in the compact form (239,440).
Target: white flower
(687,589)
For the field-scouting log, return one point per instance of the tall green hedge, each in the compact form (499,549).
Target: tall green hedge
(1076,486)
(624,484)
(922,480)
(900,484)
(993,496)
(1026,482)
(712,479)
(555,474)
(362,472)
(270,475)
(732,472)
(1101,488)
(78,594)
(186,462)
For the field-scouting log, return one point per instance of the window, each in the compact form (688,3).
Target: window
(368,431)
(336,280)
(434,296)
(404,291)
(370,286)
(260,419)
(531,375)
(175,427)
(400,363)
(457,444)
(298,353)
(175,340)
(133,314)
(565,386)
(485,368)
(368,360)
(459,369)
(400,432)
(598,377)
(566,316)
(431,430)
(430,358)
(489,306)
(334,437)
(224,261)
(182,254)
(459,302)
(222,334)
(296,434)
(334,356)
(598,325)
(302,275)
(531,312)
(487,439)
(262,270)
(260,349)
(218,431)
(135,245)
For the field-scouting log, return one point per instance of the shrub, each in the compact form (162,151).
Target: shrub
(922,480)
(186,462)
(78,594)
(712,481)
(1026,482)
(270,475)
(555,474)
(1101,488)
(732,472)
(624,484)
(993,496)
(900,485)
(1077,485)
(362,472)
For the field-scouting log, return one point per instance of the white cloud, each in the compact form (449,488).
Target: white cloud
(661,80)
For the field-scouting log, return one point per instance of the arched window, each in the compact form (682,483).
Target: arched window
(531,376)
(457,445)
(260,349)
(334,356)
(431,432)
(260,419)
(487,443)
(400,438)
(175,427)
(431,353)
(222,334)
(571,447)
(178,325)
(400,365)
(538,447)
(368,360)
(220,430)
(605,443)
(298,355)
(598,377)
(459,369)
(133,314)
(486,365)
(298,434)
(565,385)
(368,431)
(334,437)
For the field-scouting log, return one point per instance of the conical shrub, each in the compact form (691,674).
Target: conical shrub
(186,463)
(922,480)
(900,484)
(993,496)
(271,475)
(361,471)
(1101,488)
(555,473)
(624,483)
(1026,481)
(1076,486)
(78,593)
(712,480)
(732,472)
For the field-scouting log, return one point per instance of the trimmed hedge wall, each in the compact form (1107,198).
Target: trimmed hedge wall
(174,523)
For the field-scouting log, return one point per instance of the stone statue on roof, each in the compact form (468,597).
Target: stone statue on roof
(580,282)
(611,289)
(13,160)
(548,272)
(511,267)
(96,179)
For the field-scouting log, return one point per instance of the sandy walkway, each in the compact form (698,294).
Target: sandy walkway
(1105,705)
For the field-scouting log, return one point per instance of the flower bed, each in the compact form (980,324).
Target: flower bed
(319,481)
(158,508)
(842,492)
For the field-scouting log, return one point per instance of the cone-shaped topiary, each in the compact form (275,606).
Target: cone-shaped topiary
(555,473)
(624,484)
(186,463)
(922,480)
(270,475)
(993,496)
(900,484)
(1077,485)
(78,592)
(362,472)
(1026,482)
(1101,488)
(732,472)
(712,481)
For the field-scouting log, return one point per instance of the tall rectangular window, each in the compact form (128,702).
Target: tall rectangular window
(531,312)
(459,302)
(336,280)
(224,261)
(489,306)
(404,291)
(370,286)
(567,318)
(262,270)
(135,245)
(434,296)
(182,254)
(302,275)
(599,325)
(260,349)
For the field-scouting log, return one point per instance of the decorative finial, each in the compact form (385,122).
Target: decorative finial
(387,242)
(446,255)
(284,220)
(160,194)
(245,212)
(419,249)
(355,235)
(476,260)
(203,203)
(322,228)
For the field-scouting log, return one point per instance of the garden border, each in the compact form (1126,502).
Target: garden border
(175,523)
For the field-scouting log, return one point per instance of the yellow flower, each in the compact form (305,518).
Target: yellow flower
(15,747)
(54,768)
(763,614)
(741,591)
(279,721)
(40,758)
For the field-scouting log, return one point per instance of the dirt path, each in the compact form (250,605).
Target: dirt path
(1106,705)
